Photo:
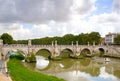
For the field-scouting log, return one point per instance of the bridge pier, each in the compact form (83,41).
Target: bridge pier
(56,50)
(29,45)
(1,53)
(76,50)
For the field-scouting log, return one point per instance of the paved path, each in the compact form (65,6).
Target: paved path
(2,66)
(3,75)
(4,78)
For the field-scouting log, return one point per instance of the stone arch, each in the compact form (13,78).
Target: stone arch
(8,53)
(101,51)
(66,53)
(44,52)
(23,52)
(86,52)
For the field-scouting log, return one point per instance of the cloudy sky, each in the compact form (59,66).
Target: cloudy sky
(26,19)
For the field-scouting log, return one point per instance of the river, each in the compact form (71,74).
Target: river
(78,69)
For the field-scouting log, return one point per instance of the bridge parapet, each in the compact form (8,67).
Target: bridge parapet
(41,46)
(15,45)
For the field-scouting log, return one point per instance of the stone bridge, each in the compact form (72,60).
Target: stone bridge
(55,49)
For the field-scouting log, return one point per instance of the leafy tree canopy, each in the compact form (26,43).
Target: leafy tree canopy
(7,39)
(117,39)
(67,39)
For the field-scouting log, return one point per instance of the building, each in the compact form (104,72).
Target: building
(109,38)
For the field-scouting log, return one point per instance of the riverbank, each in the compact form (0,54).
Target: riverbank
(19,72)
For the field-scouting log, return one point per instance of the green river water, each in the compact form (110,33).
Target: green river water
(78,69)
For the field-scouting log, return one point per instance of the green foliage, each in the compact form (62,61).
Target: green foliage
(31,58)
(7,39)
(94,37)
(18,55)
(20,42)
(85,52)
(65,53)
(44,53)
(67,39)
(117,39)
(20,73)
(101,54)
(82,39)
(12,56)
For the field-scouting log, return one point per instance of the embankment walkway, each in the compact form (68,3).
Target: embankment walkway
(4,78)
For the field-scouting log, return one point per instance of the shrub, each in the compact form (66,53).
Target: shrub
(18,55)
(31,58)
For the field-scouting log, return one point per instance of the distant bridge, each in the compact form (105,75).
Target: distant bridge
(55,49)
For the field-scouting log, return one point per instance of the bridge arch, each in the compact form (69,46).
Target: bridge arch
(66,53)
(85,52)
(11,52)
(44,52)
(101,51)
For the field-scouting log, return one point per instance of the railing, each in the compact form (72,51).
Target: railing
(16,45)
(25,45)
(41,45)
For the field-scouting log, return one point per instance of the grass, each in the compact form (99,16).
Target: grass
(19,72)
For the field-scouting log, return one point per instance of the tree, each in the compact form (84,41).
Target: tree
(117,39)
(68,38)
(7,39)
(94,37)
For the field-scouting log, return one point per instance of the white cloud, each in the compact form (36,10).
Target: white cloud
(35,11)
(55,18)
(116,6)
(105,23)
(16,30)
(40,30)
(83,7)
(41,11)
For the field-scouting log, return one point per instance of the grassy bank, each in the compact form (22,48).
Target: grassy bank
(20,73)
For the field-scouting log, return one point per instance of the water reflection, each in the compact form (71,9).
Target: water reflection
(106,76)
(42,62)
(79,69)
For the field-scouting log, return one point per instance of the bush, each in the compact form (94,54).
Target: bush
(18,55)
(101,54)
(31,58)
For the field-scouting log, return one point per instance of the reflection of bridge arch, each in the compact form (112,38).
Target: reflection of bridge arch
(66,53)
(43,52)
(85,62)
(67,63)
(85,52)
